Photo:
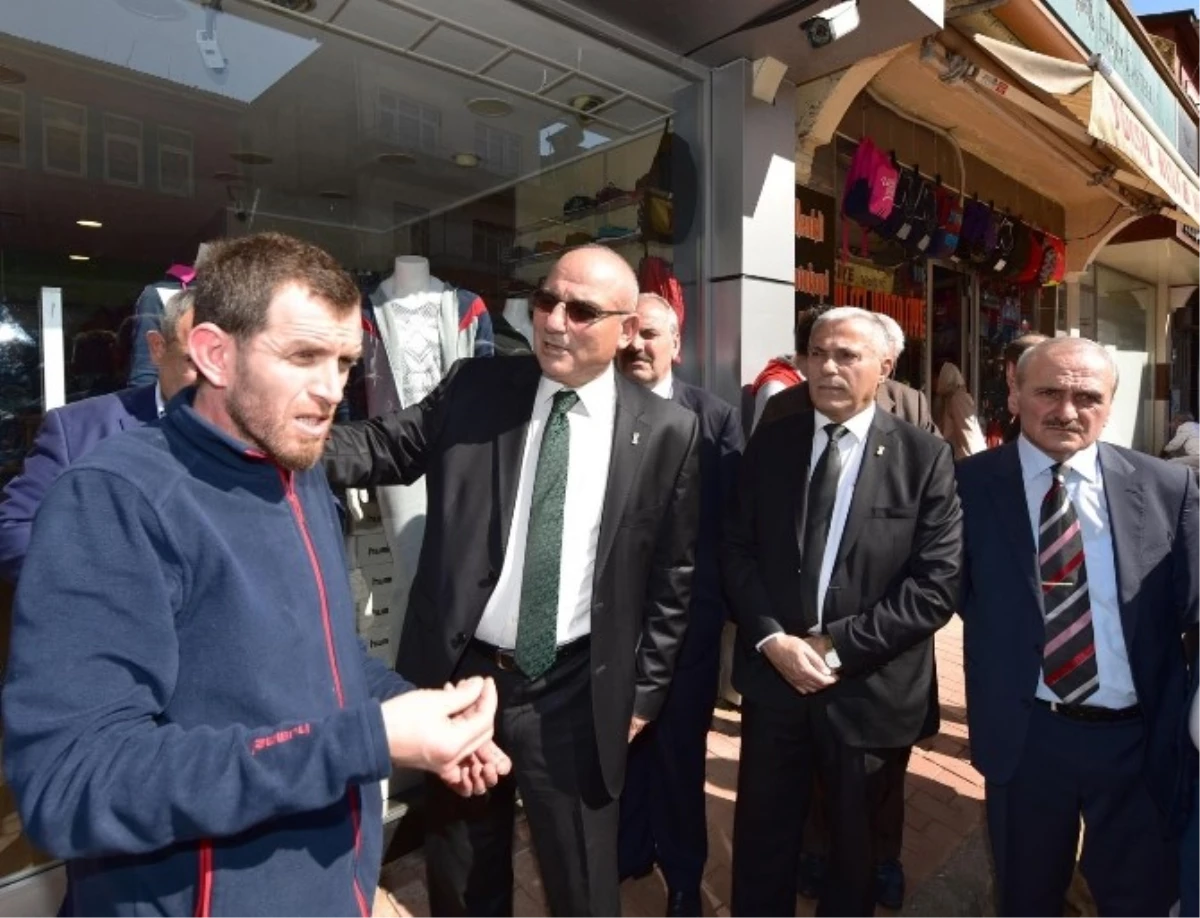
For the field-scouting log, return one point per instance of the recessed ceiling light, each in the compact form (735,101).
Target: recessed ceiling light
(80,257)
(489,107)
(586,102)
(296,6)
(396,159)
(251,158)
(10,76)
(466,160)
(89,224)
(332,194)
(224,175)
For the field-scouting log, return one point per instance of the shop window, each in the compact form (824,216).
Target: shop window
(64,138)
(498,150)
(175,162)
(122,151)
(407,123)
(12,128)
(489,242)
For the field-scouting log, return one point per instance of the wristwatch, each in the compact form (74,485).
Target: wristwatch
(832,660)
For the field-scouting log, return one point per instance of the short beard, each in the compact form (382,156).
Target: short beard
(264,433)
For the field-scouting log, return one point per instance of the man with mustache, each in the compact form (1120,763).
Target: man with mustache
(558,559)
(662,806)
(841,561)
(190,719)
(1079,584)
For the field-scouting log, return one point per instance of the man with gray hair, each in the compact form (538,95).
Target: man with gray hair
(1079,584)
(892,396)
(663,804)
(69,432)
(835,656)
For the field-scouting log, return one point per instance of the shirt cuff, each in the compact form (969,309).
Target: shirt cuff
(763,643)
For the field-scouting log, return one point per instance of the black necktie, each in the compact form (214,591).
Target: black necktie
(822,493)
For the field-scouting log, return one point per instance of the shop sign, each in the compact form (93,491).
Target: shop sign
(868,277)
(1100,30)
(814,247)
(1114,123)
(908,311)
(1188,235)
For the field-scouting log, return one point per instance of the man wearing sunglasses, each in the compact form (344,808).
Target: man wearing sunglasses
(557,559)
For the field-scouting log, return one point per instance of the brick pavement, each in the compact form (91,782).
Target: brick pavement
(944,806)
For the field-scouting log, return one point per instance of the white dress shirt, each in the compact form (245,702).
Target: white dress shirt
(850,448)
(591,426)
(665,387)
(1085,488)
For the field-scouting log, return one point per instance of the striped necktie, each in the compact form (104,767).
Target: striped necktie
(1069,658)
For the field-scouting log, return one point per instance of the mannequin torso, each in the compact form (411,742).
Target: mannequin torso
(410,274)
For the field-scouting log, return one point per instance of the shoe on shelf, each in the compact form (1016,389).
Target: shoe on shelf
(889,884)
(810,876)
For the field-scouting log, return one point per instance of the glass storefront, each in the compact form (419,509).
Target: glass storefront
(477,134)
(1118,310)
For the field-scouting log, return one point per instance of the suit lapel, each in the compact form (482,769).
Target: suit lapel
(629,444)
(870,474)
(1012,514)
(510,447)
(801,454)
(1125,497)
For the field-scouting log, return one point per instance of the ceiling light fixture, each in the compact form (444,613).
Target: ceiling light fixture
(295,6)
(332,194)
(396,159)
(8,139)
(10,76)
(80,257)
(251,158)
(465,160)
(89,224)
(225,175)
(489,107)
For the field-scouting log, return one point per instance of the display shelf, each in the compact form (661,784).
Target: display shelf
(573,218)
(633,237)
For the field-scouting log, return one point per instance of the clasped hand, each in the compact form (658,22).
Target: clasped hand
(448,732)
(800,663)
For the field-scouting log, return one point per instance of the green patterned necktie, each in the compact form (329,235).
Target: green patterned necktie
(537,626)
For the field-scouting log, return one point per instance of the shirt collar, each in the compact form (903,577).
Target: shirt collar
(858,426)
(665,387)
(597,397)
(1034,462)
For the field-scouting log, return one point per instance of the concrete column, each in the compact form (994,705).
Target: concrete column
(1158,322)
(1073,301)
(751,269)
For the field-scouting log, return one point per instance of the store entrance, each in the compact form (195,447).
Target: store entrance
(950,326)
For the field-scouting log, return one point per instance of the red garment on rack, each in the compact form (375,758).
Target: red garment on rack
(656,276)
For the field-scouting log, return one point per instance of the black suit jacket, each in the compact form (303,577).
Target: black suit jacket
(894,582)
(1152,512)
(467,439)
(720,451)
(894,397)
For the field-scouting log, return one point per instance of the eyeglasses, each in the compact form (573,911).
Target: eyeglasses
(578,312)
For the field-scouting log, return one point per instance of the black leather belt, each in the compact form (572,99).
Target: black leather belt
(506,660)
(1091,713)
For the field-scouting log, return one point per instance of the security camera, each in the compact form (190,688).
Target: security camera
(836,22)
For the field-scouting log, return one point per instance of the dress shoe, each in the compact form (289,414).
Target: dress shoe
(686,903)
(889,884)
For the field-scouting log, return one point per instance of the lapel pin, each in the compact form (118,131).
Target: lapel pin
(636,437)
(879,450)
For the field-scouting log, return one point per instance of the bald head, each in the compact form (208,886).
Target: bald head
(604,268)
(1069,350)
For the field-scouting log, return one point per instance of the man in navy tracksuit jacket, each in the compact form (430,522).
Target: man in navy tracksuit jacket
(190,718)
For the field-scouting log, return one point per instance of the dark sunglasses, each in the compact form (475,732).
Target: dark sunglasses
(578,312)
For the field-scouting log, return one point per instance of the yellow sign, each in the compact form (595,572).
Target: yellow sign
(864,277)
